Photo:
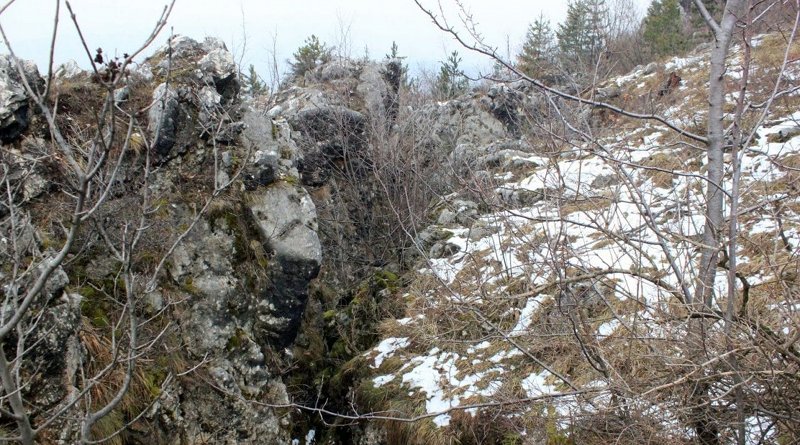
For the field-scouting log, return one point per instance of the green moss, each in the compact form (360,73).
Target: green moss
(512,439)
(97,293)
(237,340)
(94,307)
(292,180)
(386,280)
(161,207)
(152,379)
(108,425)
(340,350)
(329,316)
(189,287)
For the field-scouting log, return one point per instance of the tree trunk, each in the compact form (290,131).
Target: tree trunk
(703,417)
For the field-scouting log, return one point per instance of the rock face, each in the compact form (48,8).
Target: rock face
(328,134)
(164,119)
(197,98)
(238,281)
(14,99)
(285,218)
(297,207)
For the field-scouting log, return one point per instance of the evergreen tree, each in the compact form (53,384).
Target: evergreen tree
(393,52)
(394,55)
(537,51)
(308,56)
(451,81)
(253,83)
(663,28)
(582,37)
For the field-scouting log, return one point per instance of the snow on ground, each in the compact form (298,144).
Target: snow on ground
(387,348)
(598,211)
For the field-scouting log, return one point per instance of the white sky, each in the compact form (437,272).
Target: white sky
(247,27)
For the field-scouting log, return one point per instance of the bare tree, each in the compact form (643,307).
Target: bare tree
(720,392)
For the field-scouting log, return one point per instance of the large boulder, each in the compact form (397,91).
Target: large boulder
(163,118)
(286,220)
(197,96)
(274,154)
(328,134)
(14,98)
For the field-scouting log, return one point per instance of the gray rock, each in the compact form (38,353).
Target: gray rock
(287,221)
(520,197)
(430,236)
(374,90)
(608,92)
(210,107)
(274,152)
(505,105)
(337,70)
(14,103)
(443,250)
(604,181)
(48,360)
(69,70)
(121,95)
(651,68)
(327,134)
(219,69)
(163,119)
(455,129)
(227,159)
(784,134)
(478,232)
(446,217)
(57,281)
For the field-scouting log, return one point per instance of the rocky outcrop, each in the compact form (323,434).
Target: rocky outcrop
(328,134)
(14,99)
(285,218)
(238,281)
(296,201)
(197,96)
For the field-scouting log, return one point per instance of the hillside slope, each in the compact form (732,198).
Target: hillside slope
(550,306)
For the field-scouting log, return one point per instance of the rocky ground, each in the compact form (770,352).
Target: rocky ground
(487,266)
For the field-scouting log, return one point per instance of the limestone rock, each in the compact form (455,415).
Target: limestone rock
(14,100)
(286,218)
(163,118)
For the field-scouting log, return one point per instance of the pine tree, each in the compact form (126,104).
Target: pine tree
(254,85)
(582,37)
(451,81)
(663,28)
(597,28)
(394,55)
(536,57)
(312,53)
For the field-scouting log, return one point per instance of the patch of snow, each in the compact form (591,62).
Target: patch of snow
(502,355)
(535,385)
(682,62)
(382,380)
(764,226)
(479,346)
(525,317)
(408,320)
(608,328)
(387,348)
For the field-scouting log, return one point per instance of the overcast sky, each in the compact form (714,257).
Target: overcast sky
(248,26)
